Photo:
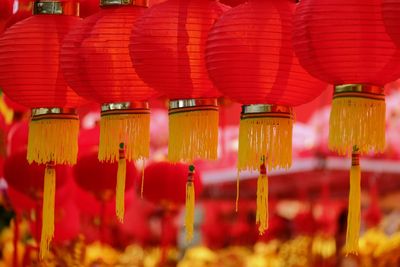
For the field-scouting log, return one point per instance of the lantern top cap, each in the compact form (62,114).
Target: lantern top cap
(55,7)
(105,3)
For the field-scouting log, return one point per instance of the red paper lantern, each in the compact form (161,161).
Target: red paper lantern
(28,178)
(353,50)
(99,178)
(167,49)
(30,75)
(96,63)
(165,183)
(356,55)
(250,59)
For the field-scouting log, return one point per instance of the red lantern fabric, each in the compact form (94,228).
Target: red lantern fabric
(29,68)
(6,9)
(29,178)
(345,42)
(250,57)
(168,44)
(99,178)
(95,57)
(88,7)
(390,9)
(165,183)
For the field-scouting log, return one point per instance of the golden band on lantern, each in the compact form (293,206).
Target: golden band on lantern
(43,7)
(265,131)
(144,3)
(193,129)
(357,119)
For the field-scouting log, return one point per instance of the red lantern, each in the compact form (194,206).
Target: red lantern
(356,55)
(96,63)
(250,59)
(98,178)
(165,185)
(28,178)
(167,49)
(6,9)
(30,75)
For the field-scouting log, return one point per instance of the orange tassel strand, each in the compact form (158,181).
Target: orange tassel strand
(354,210)
(190,204)
(120,188)
(262,199)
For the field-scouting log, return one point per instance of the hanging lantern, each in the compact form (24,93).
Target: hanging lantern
(355,54)
(166,186)
(167,49)
(30,75)
(96,64)
(28,178)
(97,177)
(250,59)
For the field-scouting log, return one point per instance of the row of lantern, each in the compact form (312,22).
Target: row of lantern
(125,55)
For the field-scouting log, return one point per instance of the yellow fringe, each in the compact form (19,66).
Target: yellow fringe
(8,113)
(53,140)
(357,121)
(262,203)
(193,135)
(120,190)
(189,214)
(131,129)
(48,210)
(265,136)
(354,212)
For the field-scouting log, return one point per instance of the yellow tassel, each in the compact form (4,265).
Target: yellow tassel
(131,129)
(237,191)
(193,135)
(262,200)
(120,190)
(8,113)
(265,136)
(142,185)
(48,210)
(53,139)
(354,210)
(190,203)
(357,121)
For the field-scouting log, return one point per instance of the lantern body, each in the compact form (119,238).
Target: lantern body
(165,183)
(99,178)
(251,60)
(101,50)
(28,178)
(168,44)
(29,69)
(354,49)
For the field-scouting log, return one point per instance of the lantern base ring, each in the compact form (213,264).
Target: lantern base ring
(43,113)
(125,108)
(193,104)
(266,110)
(359,90)
(115,2)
